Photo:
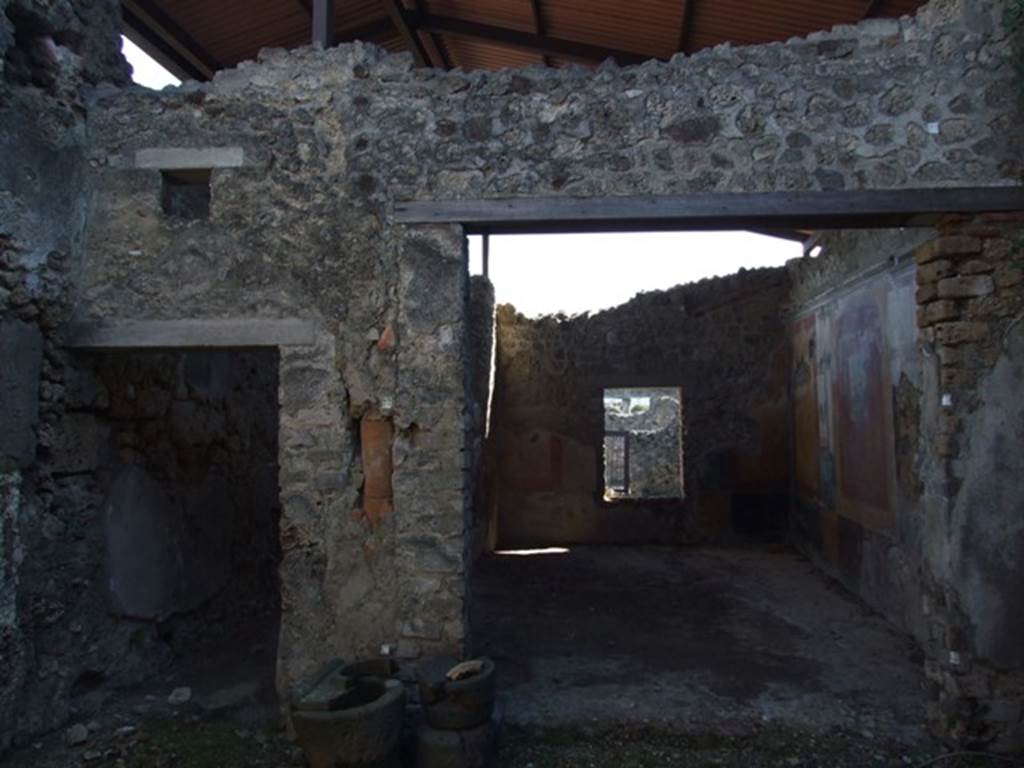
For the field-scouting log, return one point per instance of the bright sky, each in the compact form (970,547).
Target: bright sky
(545,274)
(145,71)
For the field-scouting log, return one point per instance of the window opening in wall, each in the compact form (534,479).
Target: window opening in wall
(185,194)
(643,443)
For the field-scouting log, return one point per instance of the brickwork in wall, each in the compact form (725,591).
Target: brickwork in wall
(971,302)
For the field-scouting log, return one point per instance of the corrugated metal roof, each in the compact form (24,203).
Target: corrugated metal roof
(200,35)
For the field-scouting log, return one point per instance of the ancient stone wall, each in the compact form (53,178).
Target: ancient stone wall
(307,153)
(654,464)
(309,150)
(160,536)
(906,366)
(720,341)
(970,304)
(51,54)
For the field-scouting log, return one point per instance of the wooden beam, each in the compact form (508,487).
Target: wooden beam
(760,210)
(487,254)
(370,31)
(686,28)
(793,235)
(529,41)
(323,23)
(189,333)
(162,37)
(431,47)
(400,18)
(872,8)
(538,27)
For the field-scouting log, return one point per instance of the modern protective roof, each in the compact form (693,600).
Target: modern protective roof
(195,38)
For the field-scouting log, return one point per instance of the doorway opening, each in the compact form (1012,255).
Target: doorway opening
(670,514)
(183,469)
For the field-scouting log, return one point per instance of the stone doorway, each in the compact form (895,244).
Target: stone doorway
(177,450)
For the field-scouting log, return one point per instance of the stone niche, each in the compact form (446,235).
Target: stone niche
(178,452)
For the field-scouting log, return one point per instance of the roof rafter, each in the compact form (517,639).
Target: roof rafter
(166,41)
(400,18)
(686,27)
(370,31)
(517,39)
(434,52)
(538,27)
(872,8)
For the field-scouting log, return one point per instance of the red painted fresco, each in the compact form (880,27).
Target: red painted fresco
(805,408)
(861,414)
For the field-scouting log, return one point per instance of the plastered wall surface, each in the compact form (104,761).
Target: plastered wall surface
(856,383)
(927,536)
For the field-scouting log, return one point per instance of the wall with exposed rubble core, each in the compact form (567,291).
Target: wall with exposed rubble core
(160,536)
(51,55)
(308,151)
(721,341)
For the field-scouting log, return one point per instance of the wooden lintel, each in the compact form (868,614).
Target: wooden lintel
(761,210)
(514,38)
(189,333)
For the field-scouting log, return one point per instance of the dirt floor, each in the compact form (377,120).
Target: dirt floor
(692,640)
(608,658)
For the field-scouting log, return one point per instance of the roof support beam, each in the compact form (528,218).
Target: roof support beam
(872,8)
(323,23)
(400,18)
(167,42)
(434,52)
(686,30)
(526,40)
(761,210)
(368,32)
(372,31)
(538,27)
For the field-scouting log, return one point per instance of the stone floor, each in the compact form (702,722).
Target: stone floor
(692,640)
